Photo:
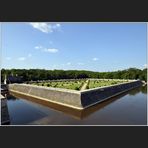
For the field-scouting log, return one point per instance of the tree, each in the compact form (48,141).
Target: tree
(42,74)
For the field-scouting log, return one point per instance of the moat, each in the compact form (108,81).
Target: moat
(129,108)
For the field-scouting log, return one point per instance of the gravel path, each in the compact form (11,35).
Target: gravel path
(84,85)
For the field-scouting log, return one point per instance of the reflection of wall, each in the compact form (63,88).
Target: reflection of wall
(79,114)
(8,96)
(135,91)
(144,89)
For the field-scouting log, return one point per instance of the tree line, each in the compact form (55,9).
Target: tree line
(42,74)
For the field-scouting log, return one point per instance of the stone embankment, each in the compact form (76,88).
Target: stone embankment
(72,98)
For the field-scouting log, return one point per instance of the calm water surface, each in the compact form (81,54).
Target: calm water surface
(129,108)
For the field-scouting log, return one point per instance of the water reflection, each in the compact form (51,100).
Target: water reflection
(78,114)
(31,111)
(11,97)
(144,89)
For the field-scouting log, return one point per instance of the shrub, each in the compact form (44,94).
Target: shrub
(55,85)
(113,83)
(87,87)
(76,88)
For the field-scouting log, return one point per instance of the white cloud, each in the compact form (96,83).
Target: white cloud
(24,58)
(58,25)
(95,59)
(80,63)
(8,58)
(29,55)
(145,66)
(45,27)
(21,58)
(52,50)
(38,47)
(42,27)
(68,63)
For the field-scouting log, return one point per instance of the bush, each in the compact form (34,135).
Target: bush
(76,88)
(87,87)
(113,83)
(55,85)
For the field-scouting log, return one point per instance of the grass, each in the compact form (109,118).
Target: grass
(77,84)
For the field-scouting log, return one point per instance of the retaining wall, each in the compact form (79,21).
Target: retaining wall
(73,98)
(93,96)
(4,111)
(61,96)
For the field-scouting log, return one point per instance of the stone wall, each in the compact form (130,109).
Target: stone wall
(5,119)
(92,96)
(61,96)
(73,98)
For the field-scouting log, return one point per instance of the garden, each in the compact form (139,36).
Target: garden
(80,84)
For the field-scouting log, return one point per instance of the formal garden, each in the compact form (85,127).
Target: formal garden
(79,84)
(74,85)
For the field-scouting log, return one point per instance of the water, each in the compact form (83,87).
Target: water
(129,108)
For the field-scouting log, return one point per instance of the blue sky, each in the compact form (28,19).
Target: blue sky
(82,46)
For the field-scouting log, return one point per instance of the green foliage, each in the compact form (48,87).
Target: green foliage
(76,88)
(87,87)
(101,83)
(76,85)
(62,84)
(48,85)
(42,74)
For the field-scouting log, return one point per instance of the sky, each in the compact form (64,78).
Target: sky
(82,46)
